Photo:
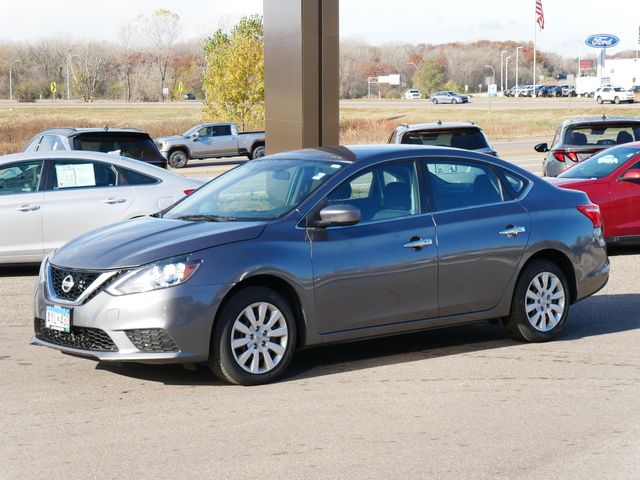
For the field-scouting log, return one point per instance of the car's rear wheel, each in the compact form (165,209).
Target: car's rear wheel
(454,101)
(599,100)
(258,152)
(178,159)
(540,303)
(254,338)
(435,100)
(616,100)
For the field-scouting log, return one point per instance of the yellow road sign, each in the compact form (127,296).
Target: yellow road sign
(180,87)
(53,87)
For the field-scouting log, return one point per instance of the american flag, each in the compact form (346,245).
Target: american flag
(539,14)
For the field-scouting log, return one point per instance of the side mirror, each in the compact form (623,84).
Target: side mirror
(337,216)
(541,147)
(631,175)
(195,136)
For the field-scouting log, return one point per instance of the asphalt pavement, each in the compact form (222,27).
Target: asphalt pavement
(463,403)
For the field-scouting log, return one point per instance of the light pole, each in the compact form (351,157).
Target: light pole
(501,71)
(506,72)
(69,57)
(517,84)
(11,64)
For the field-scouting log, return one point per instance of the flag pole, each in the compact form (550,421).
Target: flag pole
(535,34)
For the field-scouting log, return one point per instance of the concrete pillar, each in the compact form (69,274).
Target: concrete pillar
(301,40)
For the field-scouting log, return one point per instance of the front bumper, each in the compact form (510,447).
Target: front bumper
(172,325)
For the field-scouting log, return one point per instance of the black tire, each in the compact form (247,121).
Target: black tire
(257,152)
(616,100)
(454,101)
(599,100)
(222,360)
(435,101)
(178,159)
(517,324)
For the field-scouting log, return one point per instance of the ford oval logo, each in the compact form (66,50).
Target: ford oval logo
(602,40)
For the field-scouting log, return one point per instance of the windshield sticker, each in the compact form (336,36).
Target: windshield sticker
(318,176)
(75,175)
(335,165)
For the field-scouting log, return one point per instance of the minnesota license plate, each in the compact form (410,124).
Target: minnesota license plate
(58,318)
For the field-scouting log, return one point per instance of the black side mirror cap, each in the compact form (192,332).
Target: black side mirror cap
(541,147)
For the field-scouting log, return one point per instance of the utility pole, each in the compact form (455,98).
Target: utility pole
(11,64)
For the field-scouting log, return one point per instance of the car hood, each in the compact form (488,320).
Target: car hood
(148,239)
(171,138)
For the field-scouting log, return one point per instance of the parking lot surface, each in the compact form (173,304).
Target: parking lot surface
(456,403)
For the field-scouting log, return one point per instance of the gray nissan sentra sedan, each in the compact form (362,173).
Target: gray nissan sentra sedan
(324,245)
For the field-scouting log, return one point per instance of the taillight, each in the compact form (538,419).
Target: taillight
(560,156)
(592,211)
(190,191)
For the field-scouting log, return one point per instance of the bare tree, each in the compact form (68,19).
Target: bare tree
(89,68)
(128,53)
(162,29)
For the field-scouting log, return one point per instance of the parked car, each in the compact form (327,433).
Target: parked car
(611,178)
(448,97)
(613,95)
(413,94)
(523,91)
(128,142)
(551,91)
(568,91)
(579,138)
(189,96)
(466,135)
(324,245)
(48,198)
(211,140)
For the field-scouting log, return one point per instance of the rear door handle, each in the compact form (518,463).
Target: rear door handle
(113,201)
(28,208)
(419,243)
(512,231)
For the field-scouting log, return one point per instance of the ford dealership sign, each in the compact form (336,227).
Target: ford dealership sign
(602,40)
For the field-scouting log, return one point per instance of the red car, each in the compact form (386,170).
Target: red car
(611,178)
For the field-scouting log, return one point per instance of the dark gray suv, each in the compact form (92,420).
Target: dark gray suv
(319,246)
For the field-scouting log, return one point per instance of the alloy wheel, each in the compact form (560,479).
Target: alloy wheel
(259,338)
(545,301)
(178,159)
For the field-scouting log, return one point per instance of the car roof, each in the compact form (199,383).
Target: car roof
(436,126)
(81,155)
(68,131)
(601,120)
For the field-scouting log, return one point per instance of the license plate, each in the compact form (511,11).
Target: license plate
(58,318)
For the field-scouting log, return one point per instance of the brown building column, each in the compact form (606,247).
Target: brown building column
(301,73)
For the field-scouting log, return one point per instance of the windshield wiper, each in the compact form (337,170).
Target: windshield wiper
(206,218)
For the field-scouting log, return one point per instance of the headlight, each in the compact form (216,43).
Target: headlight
(163,274)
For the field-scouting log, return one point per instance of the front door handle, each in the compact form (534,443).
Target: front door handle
(418,243)
(512,231)
(113,201)
(28,208)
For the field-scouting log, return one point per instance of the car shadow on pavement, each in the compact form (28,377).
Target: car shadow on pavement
(598,315)
(19,270)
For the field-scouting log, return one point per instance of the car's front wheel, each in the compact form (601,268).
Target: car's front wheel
(599,100)
(540,303)
(435,101)
(454,101)
(616,100)
(254,338)
(178,159)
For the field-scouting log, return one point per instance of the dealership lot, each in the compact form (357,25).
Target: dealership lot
(457,403)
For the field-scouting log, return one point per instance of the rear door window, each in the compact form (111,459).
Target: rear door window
(455,184)
(67,174)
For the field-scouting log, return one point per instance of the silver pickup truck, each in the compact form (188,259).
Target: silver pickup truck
(211,140)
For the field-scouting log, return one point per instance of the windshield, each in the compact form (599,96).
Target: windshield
(258,190)
(601,164)
(191,131)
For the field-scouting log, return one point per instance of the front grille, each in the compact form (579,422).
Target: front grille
(82,338)
(81,281)
(154,340)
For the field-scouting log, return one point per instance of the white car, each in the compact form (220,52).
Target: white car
(49,198)
(615,95)
(413,94)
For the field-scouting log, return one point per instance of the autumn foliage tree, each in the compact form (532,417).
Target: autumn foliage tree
(233,81)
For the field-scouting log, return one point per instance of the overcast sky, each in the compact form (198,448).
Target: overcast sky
(568,22)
